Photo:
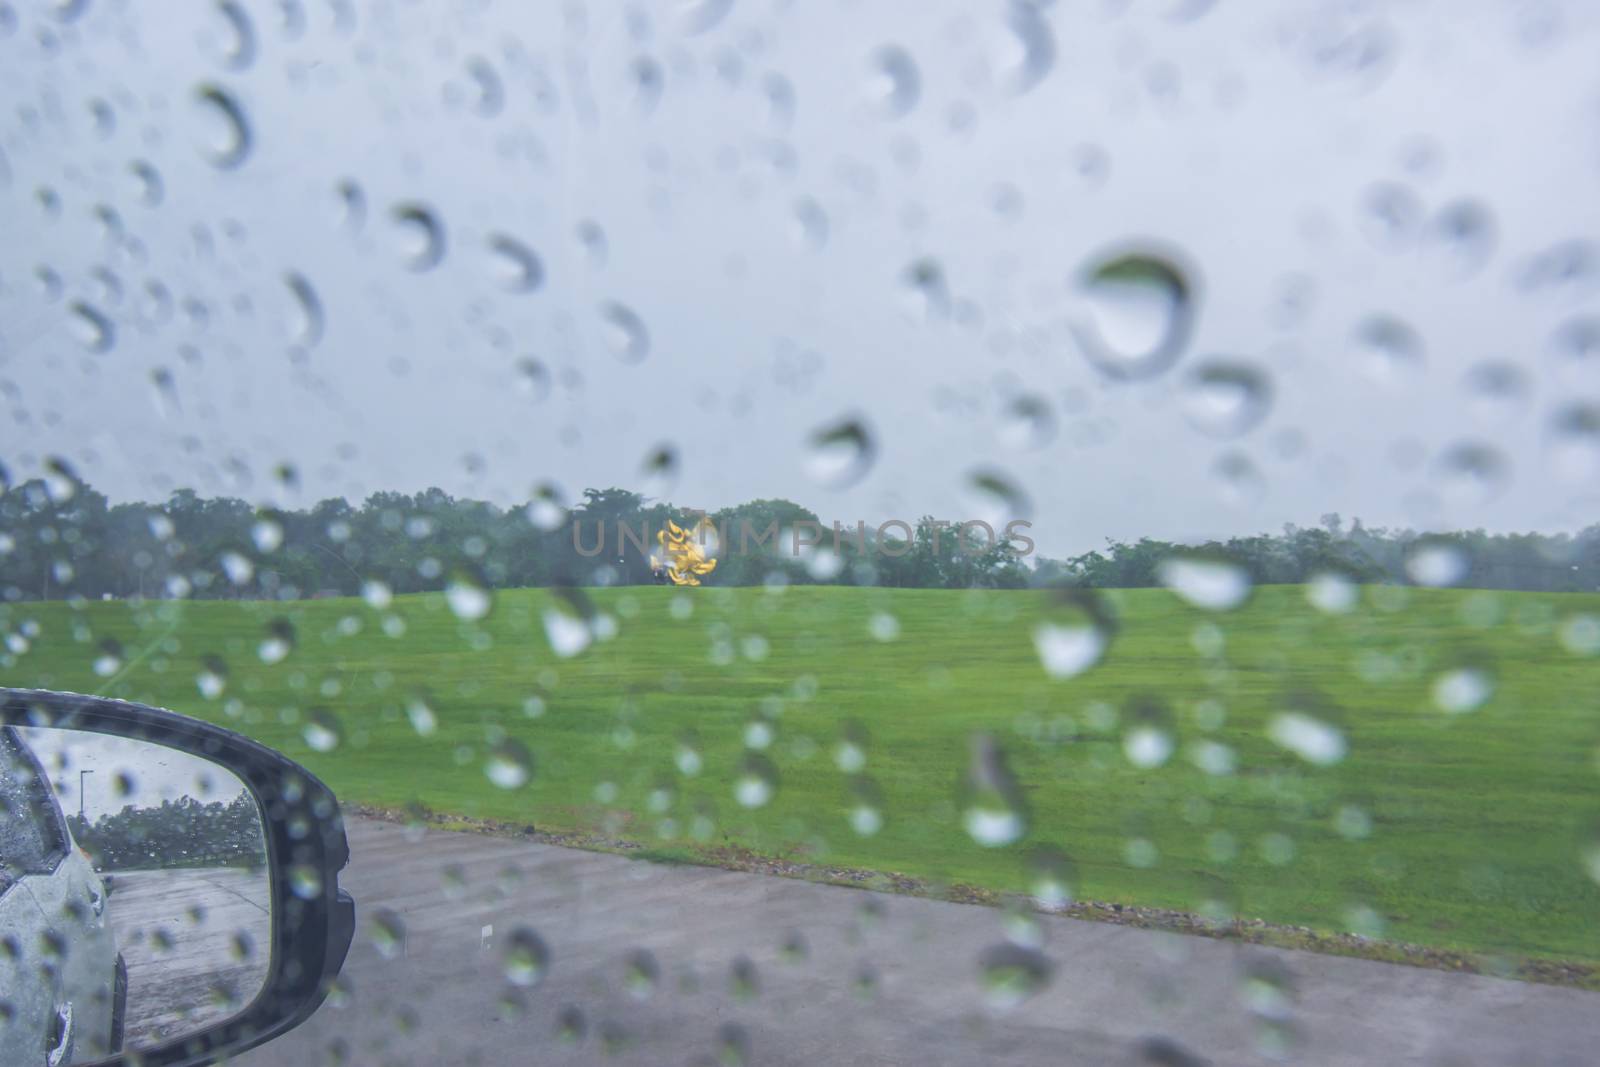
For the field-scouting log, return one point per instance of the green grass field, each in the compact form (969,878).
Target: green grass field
(1465,832)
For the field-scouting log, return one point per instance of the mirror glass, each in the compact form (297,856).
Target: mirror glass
(135,902)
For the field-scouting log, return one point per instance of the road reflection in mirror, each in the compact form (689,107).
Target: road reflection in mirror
(134,895)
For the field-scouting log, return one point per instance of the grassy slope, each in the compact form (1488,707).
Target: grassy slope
(1478,819)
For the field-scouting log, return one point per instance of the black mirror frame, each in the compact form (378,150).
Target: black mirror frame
(304,833)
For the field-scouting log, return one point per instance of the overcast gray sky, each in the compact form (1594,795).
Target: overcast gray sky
(765,175)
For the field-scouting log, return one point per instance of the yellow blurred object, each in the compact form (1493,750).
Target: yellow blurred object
(686,559)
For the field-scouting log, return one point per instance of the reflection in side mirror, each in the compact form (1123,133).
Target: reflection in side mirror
(163,886)
(167,888)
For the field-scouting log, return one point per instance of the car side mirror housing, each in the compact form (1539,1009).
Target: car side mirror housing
(168,888)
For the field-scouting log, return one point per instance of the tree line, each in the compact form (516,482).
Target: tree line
(178,833)
(61,538)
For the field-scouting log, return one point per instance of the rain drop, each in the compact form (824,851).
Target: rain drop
(1332,593)
(1026,422)
(527,959)
(1139,312)
(509,765)
(1462,689)
(1031,48)
(1225,399)
(518,268)
(757,781)
(1388,351)
(893,84)
(1462,237)
(421,235)
(322,731)
(992,808)
(92,327)
(1210,582)
(1436,562)
(1011,974)
(1310,738)
(232,144)
(306,325)
(1074,634)
(625,332)
(469,599)
(278,642)
(839,454)
(1573,440)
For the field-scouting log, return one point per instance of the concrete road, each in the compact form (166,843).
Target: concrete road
(881,979)
(194,940)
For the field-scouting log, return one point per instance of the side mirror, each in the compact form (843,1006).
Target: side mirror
(168,888)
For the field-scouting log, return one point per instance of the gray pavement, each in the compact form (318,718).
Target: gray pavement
(882,979)
(179,932)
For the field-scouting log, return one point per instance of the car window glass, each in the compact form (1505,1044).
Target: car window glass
(28,830)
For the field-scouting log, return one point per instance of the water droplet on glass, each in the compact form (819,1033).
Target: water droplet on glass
(641,973)
(230,144)
(1074,634)
(625,332)
(757,781)
(352,204)
(240,50)
(992,809)
(811,222)
(509,765)
(469,599)
(893,82)
(659,470)
(420,234)
(377,594)
(151,187)
(1462,237)
(649,81)
(421,714)
(1573,440)
(1148,741)
(1390,215)
(1332,593)
(322,731)
(1011,974)
(927,293)
(237,567)
(278,642)
(567,628)
(388,934)
(491,92)
(1310,738)
(1210,582)
(1139,312)
(1226,399)
(883,626)
(213,677)
(109,661)
(1472,472)
(1028,51)
(1026,422)
(1436,562)
(866,810)
(839,454)
(545,510)
(93,329)
(1462,689)
(518,268)
(1388,351)
(1496,389)
(992,497)
(305,881)
(527,959)
(306,324)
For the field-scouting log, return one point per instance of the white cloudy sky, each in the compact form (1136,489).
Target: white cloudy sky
(1249,139)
